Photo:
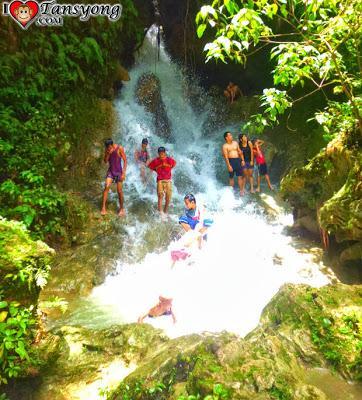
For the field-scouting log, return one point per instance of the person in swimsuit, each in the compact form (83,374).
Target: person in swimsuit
(163,307)
(113,155)
(233,159)
(163,166)
(142,158)
(261,163)
(246,148)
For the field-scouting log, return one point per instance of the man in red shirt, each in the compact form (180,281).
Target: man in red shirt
(163,166)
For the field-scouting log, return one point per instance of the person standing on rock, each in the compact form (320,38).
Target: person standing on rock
(113,155)
(163,166)
(142,158)
(246,148)
(233,159)
(261,163)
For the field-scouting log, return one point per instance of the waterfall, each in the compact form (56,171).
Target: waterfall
(247,256)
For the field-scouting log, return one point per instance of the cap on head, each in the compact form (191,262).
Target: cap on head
(108,142)
(145,141)
(161,150)
(190,197)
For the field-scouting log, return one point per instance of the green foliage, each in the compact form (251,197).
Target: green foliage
(219,392)
(36,93)
(22,261)
(24,268)
(318,42)
(54,302)
(160,390)
(16,323)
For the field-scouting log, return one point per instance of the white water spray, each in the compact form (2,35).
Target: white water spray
(246,258)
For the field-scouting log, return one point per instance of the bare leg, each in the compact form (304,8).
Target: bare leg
(159,203)
(268,182)
(200,239)
(105,195)
(141,318)
(251,180)
(185,226)
(231,182)
(167,202)
(258,188)
(120,197)
(143,174)
(241,184)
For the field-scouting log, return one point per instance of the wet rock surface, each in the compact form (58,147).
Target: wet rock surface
(148,94)
(301,326)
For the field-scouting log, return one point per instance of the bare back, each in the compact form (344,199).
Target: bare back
(231,150)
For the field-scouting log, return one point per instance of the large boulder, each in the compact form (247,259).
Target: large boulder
(327,193)
(77,362)
(301,327)
(148,94)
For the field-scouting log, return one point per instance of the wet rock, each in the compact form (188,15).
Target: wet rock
(308,392)
(309,223)
(74,359)
(121,74)
(300,326)
(353,252)
(327,192)
(148,94)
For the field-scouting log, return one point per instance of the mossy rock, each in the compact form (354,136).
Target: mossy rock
(327,193)
(21,260)
(342,213)
(324,325)
(74,357)
(301,326)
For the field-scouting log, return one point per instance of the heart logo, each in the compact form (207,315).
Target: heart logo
(24,13)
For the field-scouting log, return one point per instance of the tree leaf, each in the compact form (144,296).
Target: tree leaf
(200,30)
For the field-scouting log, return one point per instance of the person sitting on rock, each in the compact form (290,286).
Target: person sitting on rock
(194,217)
(142,158)
(232,91)
(163,307)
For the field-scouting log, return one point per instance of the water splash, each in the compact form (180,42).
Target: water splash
(247,256)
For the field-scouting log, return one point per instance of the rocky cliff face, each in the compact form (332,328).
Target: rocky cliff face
(327,194)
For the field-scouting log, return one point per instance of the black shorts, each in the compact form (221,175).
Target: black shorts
(263,169)
(236,166)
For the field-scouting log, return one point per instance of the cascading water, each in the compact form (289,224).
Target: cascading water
(247,256)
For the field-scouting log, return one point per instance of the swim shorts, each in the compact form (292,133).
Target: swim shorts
(184,219)
(164,187)
(236,166)
(263,169)
(115,178)
(248,166)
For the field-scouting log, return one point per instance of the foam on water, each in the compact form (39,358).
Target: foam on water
(225,285)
